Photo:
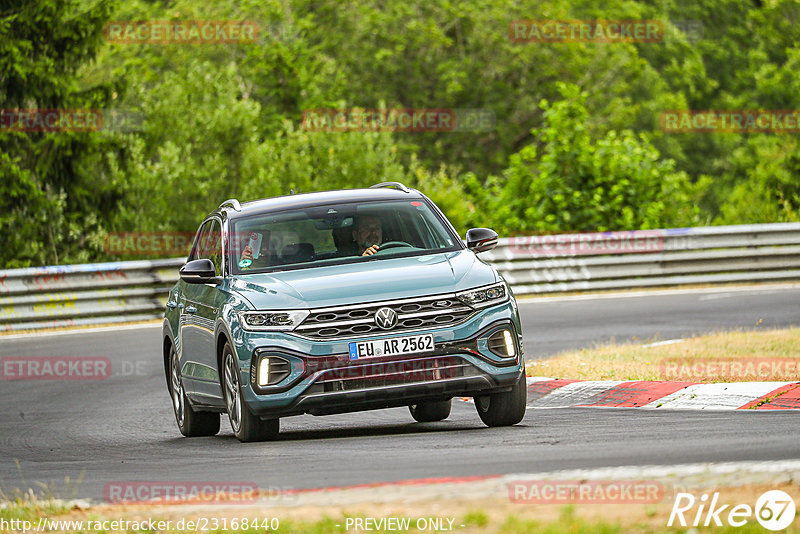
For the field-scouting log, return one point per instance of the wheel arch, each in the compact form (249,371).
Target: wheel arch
(223,336)
(167,342)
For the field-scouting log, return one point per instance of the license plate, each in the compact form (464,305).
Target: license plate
(391,347)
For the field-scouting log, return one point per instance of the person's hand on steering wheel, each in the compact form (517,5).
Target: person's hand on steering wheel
(371,250)
(389,244)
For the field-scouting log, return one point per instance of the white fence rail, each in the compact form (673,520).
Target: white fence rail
(43,297)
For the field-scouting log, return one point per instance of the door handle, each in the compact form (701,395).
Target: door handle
(191,309)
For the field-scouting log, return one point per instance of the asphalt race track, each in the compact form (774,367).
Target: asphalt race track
(123,429)
(562,323)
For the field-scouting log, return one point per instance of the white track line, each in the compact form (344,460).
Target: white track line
(666,342)
(575,393)
(776,467)
(720,396)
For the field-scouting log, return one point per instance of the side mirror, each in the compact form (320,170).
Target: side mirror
(200,272)
(481,239)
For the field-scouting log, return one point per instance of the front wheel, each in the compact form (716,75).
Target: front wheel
(246,426)
(504,409)
(426,412)
(191,423)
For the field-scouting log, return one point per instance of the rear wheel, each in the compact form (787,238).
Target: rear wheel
(426,412)
(503,409)
(246,426)
(191,423)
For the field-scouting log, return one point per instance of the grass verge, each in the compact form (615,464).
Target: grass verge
(738,356)
(489,514)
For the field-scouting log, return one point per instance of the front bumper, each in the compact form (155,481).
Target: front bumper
(322,380)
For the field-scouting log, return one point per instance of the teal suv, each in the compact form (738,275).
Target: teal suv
(338,301)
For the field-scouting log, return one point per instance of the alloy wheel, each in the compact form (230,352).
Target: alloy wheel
(177,388)
(233,399)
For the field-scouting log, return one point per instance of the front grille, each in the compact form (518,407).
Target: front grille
(363,376)
(359,320)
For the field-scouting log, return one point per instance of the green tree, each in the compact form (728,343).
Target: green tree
(768,185)
(54,197)
(569,181)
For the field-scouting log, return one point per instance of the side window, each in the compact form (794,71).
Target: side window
(214,246)
(208,244)
(199,240)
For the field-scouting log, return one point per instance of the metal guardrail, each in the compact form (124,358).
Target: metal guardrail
(44,297)
(649,258)
(95,293)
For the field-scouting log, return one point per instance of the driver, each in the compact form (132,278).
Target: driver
(367,234)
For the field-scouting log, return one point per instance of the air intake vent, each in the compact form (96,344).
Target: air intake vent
(497,343)
(278,369)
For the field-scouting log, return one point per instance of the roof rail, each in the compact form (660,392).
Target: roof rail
(396,185)
(232,202)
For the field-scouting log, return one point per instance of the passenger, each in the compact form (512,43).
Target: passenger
(265,255)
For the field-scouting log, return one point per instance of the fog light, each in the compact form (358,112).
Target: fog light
(510,350)
(501,342)
(263,372)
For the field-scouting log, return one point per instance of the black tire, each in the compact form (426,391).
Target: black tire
(426,412)
(246,426)
(504,409)
(192,424)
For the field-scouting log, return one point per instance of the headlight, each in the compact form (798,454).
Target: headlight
(272,320)
(484,296)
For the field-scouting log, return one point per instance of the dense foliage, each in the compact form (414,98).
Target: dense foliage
(576,145)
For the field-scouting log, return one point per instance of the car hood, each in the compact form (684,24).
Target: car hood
(354,283)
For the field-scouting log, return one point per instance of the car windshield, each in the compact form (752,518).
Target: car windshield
(337,233)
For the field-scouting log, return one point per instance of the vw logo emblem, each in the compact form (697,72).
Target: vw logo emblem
(386,318)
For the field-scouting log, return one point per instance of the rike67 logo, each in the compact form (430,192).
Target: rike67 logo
(774,510)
